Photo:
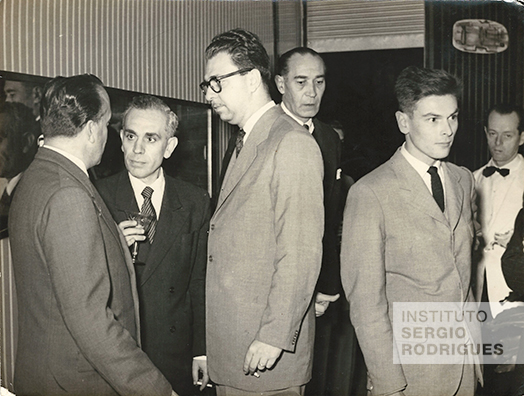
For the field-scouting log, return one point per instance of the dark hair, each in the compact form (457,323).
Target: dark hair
(414,84)
(69,103)
(20,129)
(149,102)
(506,109)
(246,51)
(283,61)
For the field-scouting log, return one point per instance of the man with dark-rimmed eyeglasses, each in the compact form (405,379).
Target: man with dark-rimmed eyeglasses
(265,238)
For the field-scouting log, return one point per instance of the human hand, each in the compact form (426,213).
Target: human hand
(322,302)
(200,366)
(132,232)
(260,356)
(502,239)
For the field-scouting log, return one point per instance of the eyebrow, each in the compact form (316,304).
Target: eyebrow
(305,77)
(439,115)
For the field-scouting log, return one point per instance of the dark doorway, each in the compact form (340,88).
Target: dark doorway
(361,99)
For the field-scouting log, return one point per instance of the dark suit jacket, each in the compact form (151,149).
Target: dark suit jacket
(513,258)
(171,286)
(77,300)
(329,143)
(265,249)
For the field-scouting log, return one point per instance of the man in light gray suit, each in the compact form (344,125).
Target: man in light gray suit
(407,237)
(265,238)
(78,308)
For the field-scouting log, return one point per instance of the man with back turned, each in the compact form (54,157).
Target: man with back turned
(78,310)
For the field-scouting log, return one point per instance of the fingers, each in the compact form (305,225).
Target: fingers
(320,309)
(250,365)
(205,381)
(194,372)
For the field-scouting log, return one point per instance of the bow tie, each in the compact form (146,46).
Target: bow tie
(488,171)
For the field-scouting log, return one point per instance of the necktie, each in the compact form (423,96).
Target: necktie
(306,126)
(436,187)
(148,209)
(489,170)
(240,140)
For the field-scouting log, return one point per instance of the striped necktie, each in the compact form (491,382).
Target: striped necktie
(148,209)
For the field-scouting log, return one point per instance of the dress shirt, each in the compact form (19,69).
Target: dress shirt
(422,169)
(500,183)
(309,122)
(75,160)
(158,187)
(250,123)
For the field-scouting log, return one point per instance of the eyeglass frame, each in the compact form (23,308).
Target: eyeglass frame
(204,85)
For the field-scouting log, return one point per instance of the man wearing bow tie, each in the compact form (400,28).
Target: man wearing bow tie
(500,186)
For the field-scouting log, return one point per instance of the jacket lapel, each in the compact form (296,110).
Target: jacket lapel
(454,195)
(248,154)
(173,217)
(413,189)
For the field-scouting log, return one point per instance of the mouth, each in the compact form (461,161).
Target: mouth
(136,163)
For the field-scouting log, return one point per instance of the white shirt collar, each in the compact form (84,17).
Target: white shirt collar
(77,161)
(513,165)
(309,122)
(248,127)
(158,187)
(11,184)
(420,166)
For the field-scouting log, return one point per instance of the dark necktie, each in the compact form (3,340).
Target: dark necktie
(306,126)
(436,187)
(240,140)
(148,209)
(489,170)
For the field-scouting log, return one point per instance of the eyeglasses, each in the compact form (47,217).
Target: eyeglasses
(214,82)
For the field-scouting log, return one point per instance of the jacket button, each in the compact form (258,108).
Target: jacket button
(210,258)
(172,329)
(171,290)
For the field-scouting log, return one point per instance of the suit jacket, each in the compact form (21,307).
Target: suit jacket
(497,216)
(77,302)
(330,147)
(513,258)
(397,246)
(264,255)
(171,286)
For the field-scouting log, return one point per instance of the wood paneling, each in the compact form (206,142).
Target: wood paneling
(488,79)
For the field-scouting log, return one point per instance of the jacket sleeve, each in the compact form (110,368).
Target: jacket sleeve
(197,282)
(76,257)
(513,257)
(298,227)
(363,274)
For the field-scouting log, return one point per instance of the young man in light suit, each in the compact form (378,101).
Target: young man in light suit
(500,186)
(79,330)
(171,262)
(407,237)
(265,238)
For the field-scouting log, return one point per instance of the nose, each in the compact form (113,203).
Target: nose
(138,147)
(311,90)
(451,128)
(9,99)
(210,94)
(498,140)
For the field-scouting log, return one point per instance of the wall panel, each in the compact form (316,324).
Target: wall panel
(487,78)
(355,25)
(152,46)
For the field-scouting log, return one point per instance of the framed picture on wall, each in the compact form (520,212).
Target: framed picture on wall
(191,160)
